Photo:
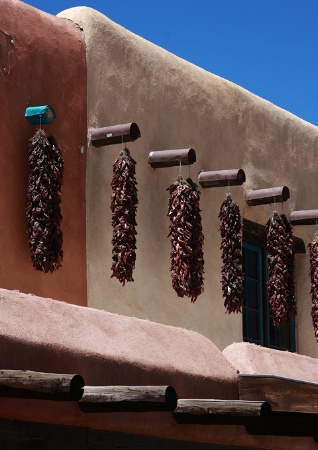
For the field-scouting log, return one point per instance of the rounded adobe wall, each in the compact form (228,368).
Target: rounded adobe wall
(42,334)
(46,335)
(46,64)
(252,359)
(178,105)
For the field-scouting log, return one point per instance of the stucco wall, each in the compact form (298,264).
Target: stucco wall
(42,61)
(45,335)
(252,359)
(178,105)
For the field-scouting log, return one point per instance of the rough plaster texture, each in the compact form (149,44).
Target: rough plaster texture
(46,335)
(42,61)
(106,348)
(178,105)
(253,359)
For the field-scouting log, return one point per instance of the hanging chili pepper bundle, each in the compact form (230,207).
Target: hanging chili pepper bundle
(197,261)
(313,257)
(187,263)
(46,168)
(124,202)
(290,264)
(231,246)
(280,284)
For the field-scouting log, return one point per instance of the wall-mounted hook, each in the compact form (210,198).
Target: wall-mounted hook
(221,178)
(115,134)
(267,196)
(305,217)
(40,115)
(170,158)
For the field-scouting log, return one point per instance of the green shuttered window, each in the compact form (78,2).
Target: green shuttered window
(257,321)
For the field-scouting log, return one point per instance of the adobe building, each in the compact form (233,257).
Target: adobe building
(80,321)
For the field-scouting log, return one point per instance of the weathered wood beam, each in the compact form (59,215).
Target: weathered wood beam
(267,196)
(305,217)
(284,394)
(48,383)
(222,178)
(171,158)
(115,134)
(115,394)
(223,407)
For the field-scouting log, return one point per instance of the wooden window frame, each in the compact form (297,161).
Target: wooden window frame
(254,237)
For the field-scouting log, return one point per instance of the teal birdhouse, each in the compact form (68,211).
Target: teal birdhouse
(40,115)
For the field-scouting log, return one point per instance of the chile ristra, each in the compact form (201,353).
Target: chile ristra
(280,284)
(46,168)
(231,247)
(186,237)
(313,255)
(124,202)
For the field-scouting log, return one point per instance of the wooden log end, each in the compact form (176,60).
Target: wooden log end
(77,387)
(266,410)
(171,398)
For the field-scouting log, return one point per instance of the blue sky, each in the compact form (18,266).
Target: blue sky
(269,47)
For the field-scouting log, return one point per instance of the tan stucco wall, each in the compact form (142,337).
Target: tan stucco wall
(42,61)
(178,105)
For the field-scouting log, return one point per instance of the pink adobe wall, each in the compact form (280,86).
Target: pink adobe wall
(42,61)
(46,335)
(256,360)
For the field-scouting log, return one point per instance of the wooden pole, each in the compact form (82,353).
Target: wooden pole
(267,196)
(171,158)
(222,178)
(223,407)
(115,134)
(49,383)
(306,217)
(113,394)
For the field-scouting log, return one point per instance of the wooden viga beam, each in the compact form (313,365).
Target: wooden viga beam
(115,134)
(232,408)
(222,178)
(26,383)
(267,196)
(117,394)
(305,217)
(170,158)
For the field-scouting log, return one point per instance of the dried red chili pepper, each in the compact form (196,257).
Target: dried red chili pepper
(313,257)
(280,284)
(124,202)
(231,247)
(290,264)
(187,263)
(46,168)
